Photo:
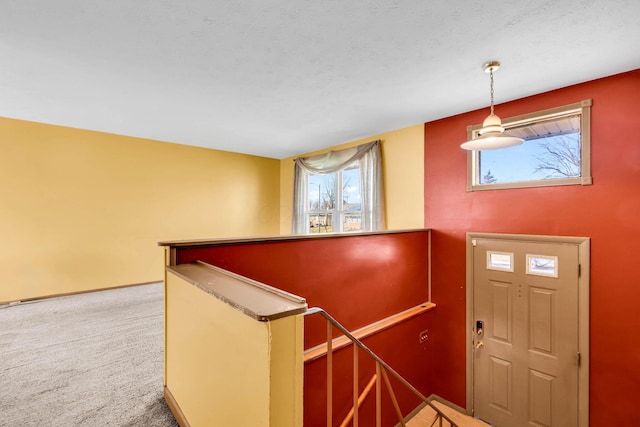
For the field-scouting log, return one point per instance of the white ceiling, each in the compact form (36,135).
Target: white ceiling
(279,78)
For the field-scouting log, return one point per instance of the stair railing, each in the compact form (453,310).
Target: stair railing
(381,373)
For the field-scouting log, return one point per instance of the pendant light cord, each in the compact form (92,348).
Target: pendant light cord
(491,77)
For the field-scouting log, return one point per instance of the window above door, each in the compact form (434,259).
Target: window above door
(556,151)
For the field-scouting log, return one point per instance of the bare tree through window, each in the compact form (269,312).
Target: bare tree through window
(328,201)
(560,157)
(488,178)
(328,195)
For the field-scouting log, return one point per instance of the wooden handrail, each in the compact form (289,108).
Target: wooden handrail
(373,328)
(381,366)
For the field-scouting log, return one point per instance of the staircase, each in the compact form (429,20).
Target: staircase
(381,377)
(428,417)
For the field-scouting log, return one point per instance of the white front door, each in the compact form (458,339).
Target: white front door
(525,333)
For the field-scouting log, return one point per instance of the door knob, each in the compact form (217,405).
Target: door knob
(479,345)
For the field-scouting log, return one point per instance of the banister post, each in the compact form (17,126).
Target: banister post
(378,396)
(392,395)
(329,373)
(355,386)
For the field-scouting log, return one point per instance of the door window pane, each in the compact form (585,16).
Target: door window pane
(542,265)
(502,261)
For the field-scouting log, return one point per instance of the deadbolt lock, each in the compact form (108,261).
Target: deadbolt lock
(479,327)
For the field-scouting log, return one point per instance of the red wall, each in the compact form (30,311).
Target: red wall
(608,212)
(358,280)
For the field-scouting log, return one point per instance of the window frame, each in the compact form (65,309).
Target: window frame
(582,108)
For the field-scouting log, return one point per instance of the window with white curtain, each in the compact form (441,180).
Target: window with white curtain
(339,191)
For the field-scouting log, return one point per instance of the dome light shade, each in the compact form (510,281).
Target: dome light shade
(491,124)
(491,142)
(491,135)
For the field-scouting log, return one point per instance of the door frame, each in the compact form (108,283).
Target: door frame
(584,280)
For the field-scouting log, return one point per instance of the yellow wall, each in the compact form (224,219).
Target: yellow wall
(287,357)
(82,210)
(226,369)
(403,164)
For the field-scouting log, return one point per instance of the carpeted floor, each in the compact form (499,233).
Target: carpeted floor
(94,359)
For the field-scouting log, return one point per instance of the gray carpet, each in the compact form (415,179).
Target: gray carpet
(94,359)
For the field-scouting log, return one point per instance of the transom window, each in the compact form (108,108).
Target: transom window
(556,151)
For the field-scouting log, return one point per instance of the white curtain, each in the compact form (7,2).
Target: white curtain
(369,157)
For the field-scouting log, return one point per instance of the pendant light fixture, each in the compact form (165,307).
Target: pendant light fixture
(491,135)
